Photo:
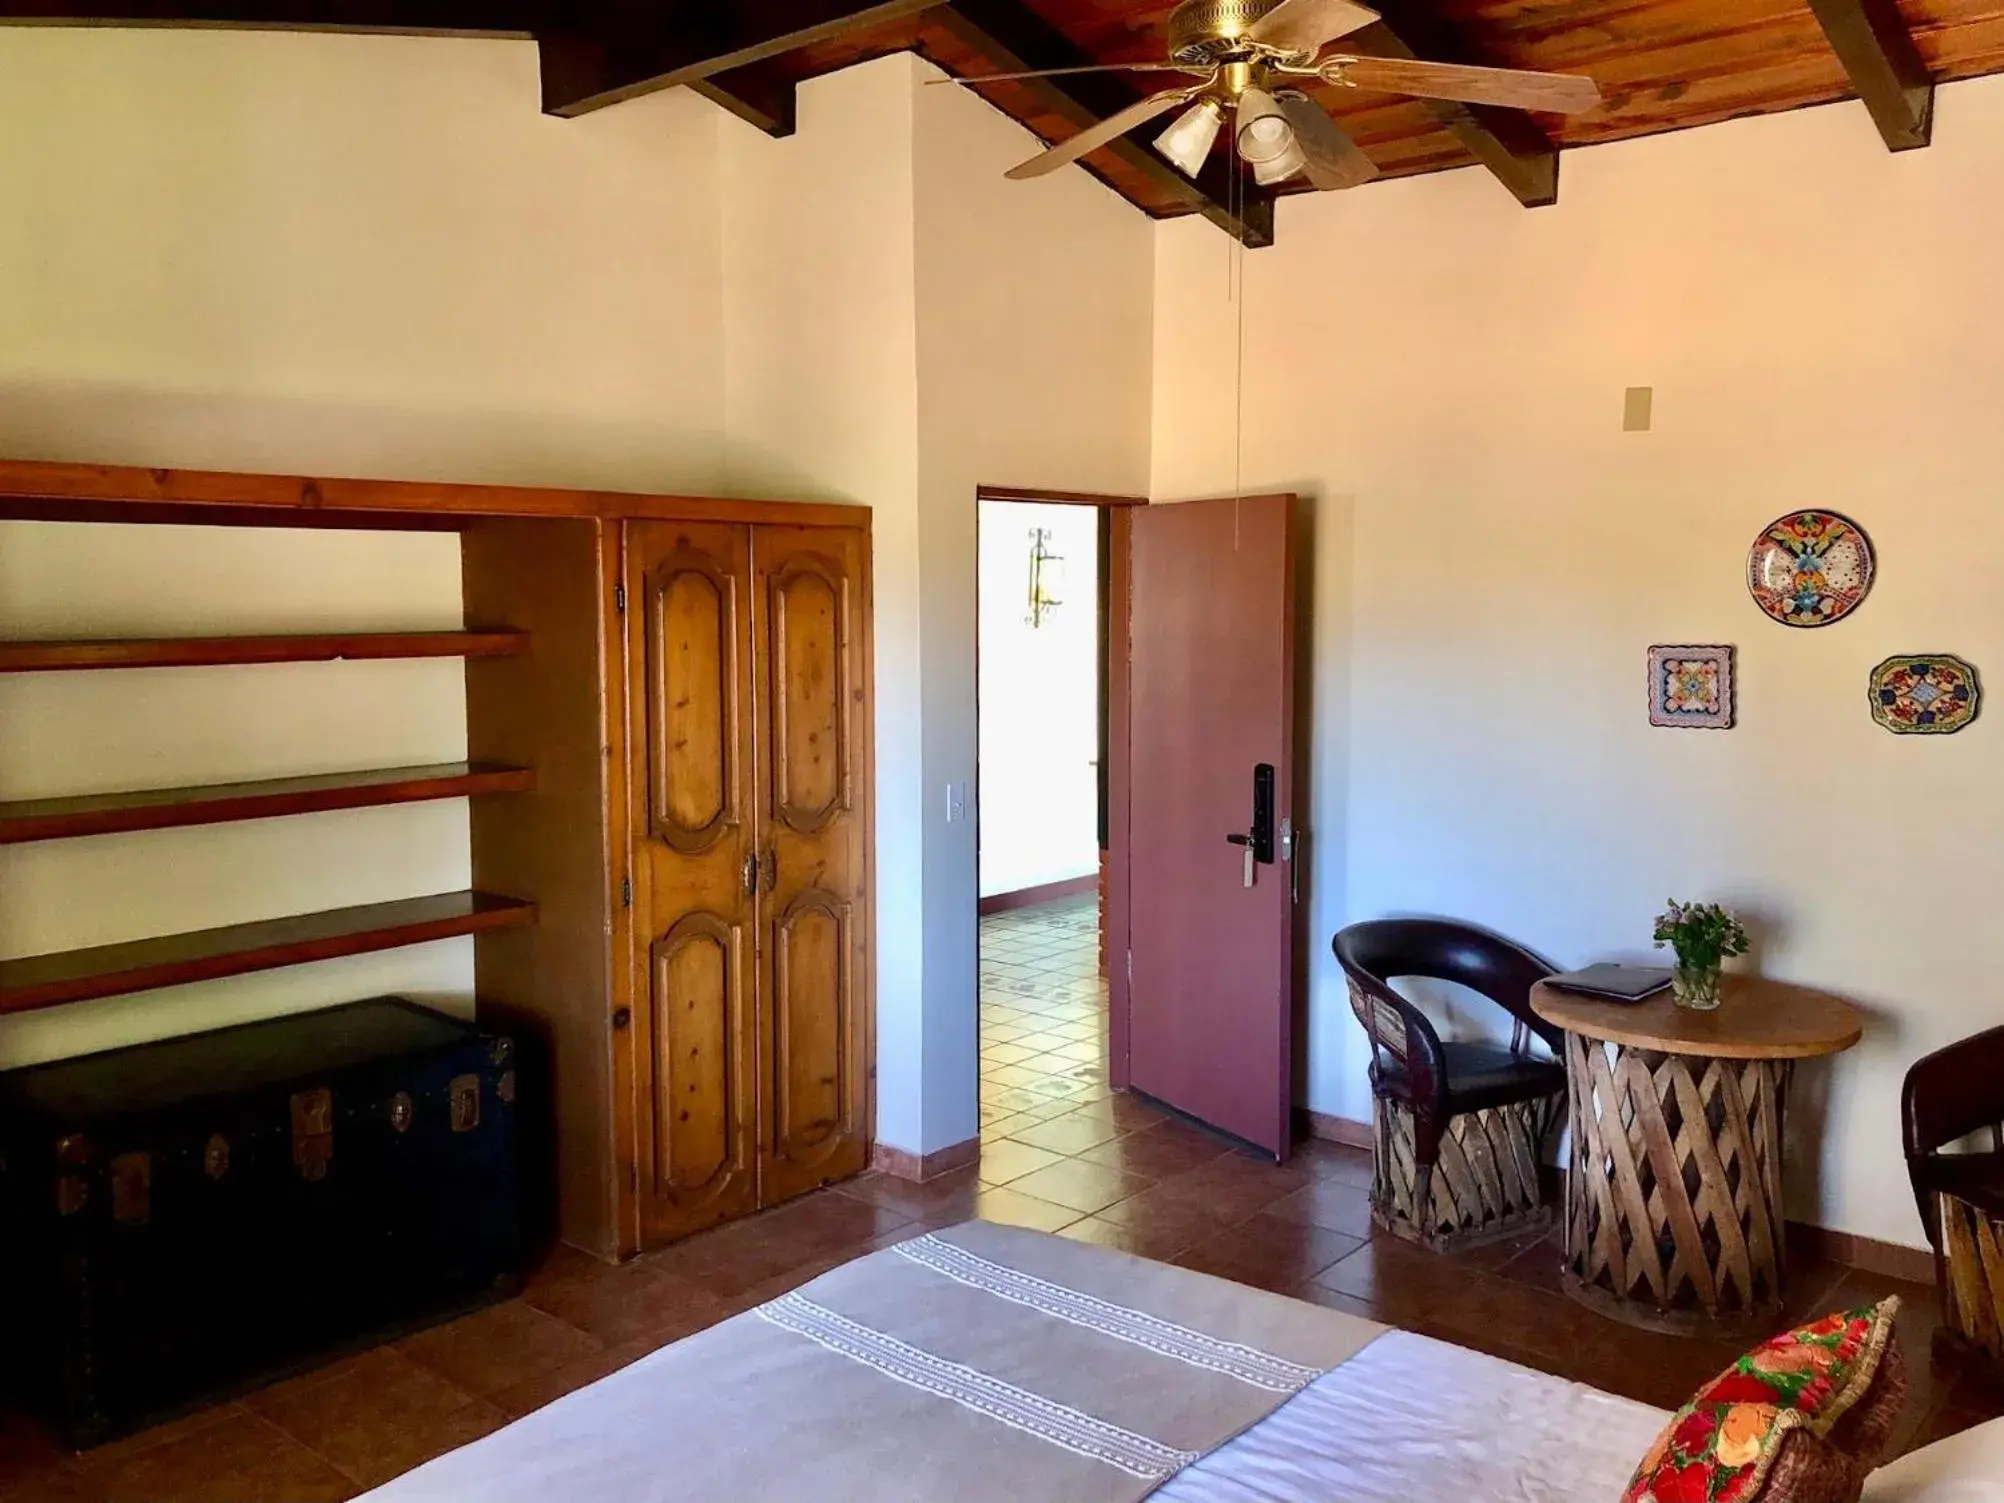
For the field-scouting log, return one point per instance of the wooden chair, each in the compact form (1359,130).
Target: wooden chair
(1461,1129)
(1953,1094)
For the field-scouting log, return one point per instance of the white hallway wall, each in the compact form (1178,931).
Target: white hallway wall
(1039,694)
(1442,373)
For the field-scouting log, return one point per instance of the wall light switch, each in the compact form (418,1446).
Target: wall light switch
(956,802)
(1636,403)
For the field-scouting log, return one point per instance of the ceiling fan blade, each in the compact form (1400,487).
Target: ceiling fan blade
(1555,93)
(1305,25)
(1095,136)
(1333,160)
(985,78)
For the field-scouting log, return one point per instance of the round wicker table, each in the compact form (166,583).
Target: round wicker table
(1674,1217)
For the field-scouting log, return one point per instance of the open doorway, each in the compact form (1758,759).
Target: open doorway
(1043,803)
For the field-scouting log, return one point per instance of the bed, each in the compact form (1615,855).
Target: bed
(987,1364)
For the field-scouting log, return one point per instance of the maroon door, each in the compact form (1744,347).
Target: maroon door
(1212,693)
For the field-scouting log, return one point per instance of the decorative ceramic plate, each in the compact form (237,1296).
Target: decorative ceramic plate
(1810,568)
(1932,695)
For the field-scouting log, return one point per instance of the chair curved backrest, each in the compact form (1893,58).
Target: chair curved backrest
(1374,952)
(1954,1092)
(1950,1094)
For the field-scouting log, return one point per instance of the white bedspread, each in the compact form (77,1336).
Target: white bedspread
(1413,1420)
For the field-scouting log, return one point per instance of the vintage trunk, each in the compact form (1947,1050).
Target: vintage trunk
(183,1218)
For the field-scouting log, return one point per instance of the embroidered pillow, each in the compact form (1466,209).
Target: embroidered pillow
(1801,1418)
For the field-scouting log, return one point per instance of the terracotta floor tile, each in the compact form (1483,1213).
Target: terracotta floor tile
(1333,1161)
(1152,1155)
(1327,1203)
(1144,1241)
(950,1195)
(378,1417)
(1169,1219)
(419,1443)
(617,1303)
(58,1484)
(1012,1075)
(1010,1099)
(1068,1133)
(488,1351)
(242,1459)
(1234,1186)
(1013,1208)
(1082,1186)
(531,1394)
(1275,1255)
(1003,1160)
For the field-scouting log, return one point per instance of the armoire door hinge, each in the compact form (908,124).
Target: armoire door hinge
(619,597)
(626,892)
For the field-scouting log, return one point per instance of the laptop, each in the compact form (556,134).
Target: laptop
(1614,983)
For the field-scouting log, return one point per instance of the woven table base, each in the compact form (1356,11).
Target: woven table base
(1673,1203)
(1485,1186)
(1972,1261)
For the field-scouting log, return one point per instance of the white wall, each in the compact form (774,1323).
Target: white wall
(323,254)
(1443,372)
(901,326)
(1039,695)
(1034,346)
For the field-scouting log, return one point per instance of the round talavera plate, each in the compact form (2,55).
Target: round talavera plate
(1931,694)
(1810,568)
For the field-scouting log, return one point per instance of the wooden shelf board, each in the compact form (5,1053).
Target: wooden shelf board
(203,652)
(208,954)
(221,803)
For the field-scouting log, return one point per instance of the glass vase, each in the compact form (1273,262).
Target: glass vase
(1696,986)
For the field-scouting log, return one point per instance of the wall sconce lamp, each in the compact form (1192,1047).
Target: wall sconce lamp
(1046,577)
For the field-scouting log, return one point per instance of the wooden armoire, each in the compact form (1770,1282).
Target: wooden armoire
(668,706)
(726,671)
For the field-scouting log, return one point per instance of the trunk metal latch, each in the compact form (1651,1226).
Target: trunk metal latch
(465,1102)
(313,1132)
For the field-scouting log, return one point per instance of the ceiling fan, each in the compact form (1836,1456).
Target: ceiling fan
(1246,55)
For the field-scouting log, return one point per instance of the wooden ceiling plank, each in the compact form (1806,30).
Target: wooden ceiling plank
(1517,153)
(1885,68)
(603,58)
(1011,37)
(466,18)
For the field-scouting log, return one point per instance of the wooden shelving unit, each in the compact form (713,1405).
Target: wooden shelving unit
(206,652)
(221,803)
(208,954)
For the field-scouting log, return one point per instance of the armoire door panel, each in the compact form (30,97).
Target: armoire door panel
(690,625)
(813,899)
(697,996)
(689,652)
(812,949)
(809,616)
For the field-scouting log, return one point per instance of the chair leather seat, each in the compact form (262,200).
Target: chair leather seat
(1479,1076)
(1977,1178)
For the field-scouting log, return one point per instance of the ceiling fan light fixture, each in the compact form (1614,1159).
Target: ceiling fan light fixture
(1265,138)
(1189,138)
(1279,169)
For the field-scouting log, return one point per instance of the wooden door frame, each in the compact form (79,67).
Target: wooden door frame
(1115,612)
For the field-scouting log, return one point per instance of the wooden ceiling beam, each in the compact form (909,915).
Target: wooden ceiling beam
(397,17)
(606,53)
(1012,38)
(1517,153)
(1885,68)
(757,94)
